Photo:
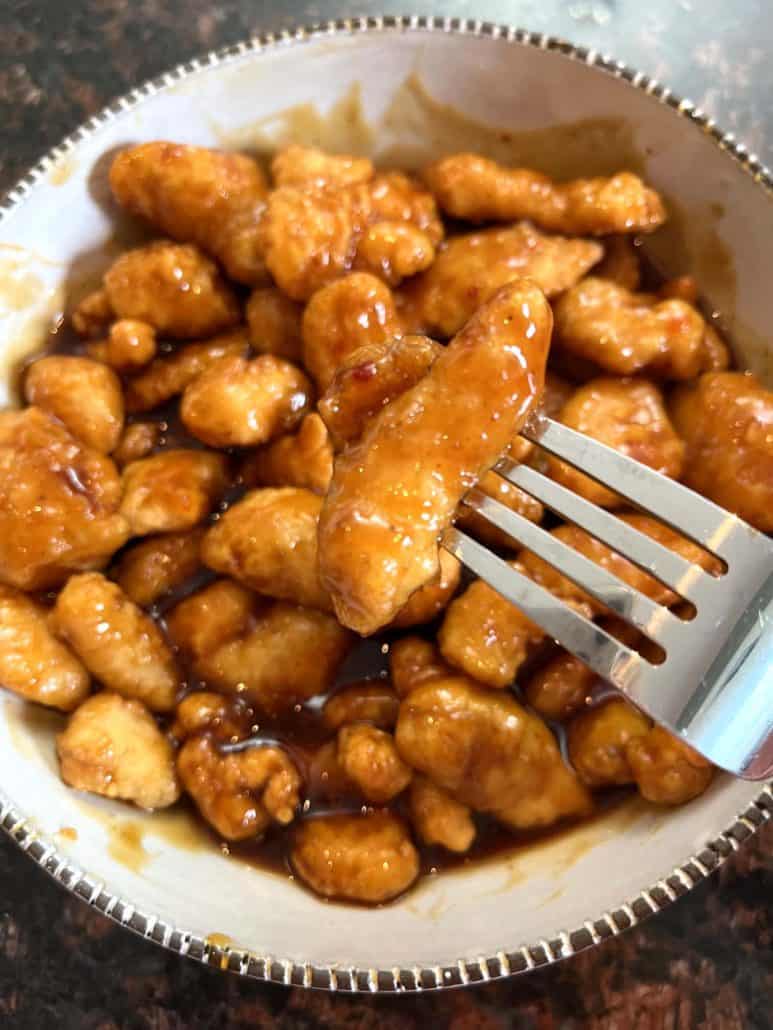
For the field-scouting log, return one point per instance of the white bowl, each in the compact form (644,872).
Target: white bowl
(403,89)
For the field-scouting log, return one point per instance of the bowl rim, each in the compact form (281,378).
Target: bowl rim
(682,878)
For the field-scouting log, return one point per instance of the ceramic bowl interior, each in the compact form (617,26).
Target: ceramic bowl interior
(402,90)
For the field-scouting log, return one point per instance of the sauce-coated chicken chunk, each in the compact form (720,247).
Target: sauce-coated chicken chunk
(274,324)
(112,746)
(130,345)
(303,459)
(158,565)
(475,188)
(58,502)
(438,818)
(368,858)
(241,403)
(628,415)
(395,490)
(118,643)
(369,758)
(196,195)
(296,165)
(413,661)
(172,491)
(620,263)
(726,420)
(431,599)
(371,701)
(211,616)
(33,663)
(137,441)
(172,287)
(470,269)
(560,688)
(667,771)
(83,394)
(597,740)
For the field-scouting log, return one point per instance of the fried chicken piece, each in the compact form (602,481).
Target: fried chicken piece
(628,415)
(118,643)
(369,758)
(560,688)
(438,818)
(303,459)
(174,288)
(620,263)
(58,502)
(413,661)
(295,165)
(597,741)
(478,189)
(156,566)
(395,490)
(368,858)
(431,599)
(666,770)
(469,270)
(211,616)
(83,394)
(195,195)
(112,746)
(726,421)
(370,701)
(274,324)
(33,663)
(130,345)
(92,315)
(138,441)
(172,491)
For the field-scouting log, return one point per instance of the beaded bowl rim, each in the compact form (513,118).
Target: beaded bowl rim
(682,878)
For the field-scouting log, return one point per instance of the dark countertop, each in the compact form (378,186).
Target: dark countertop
(705,962)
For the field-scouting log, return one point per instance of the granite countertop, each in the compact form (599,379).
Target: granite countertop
(707,961)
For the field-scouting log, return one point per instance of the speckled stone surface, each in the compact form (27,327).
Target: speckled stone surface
(707,961)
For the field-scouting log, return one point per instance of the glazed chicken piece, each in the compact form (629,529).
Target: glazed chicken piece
(620,263)
(726,420)
(58,502)
(112,746)
(227,719)
(488,752)
(268,541)
(118,643)
(207,197)
(371,701)
(33,663)
(241,403)
(628,415)
(296,165)
(156,566)
(395,490)
(430,600)
(438,818)
(138,441)
(368,858)
(130,345)
(597,740)
(413,661)
(274,324)
(625,332)
(369,378)
(92,315)
(480,190)
(666,770)
(369,758)
(211,616)
(172,491)
(560,688)
(469,270)
(83,394)
(168,375)
(343,316)
(303,459)
(174,288)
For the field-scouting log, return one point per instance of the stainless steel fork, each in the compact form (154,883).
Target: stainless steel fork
(715,687)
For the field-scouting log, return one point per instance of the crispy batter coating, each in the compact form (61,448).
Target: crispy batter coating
(286,655)
(628,415)
(138,440)
(112,746)
(201,196)
(488,752)
(625,332)
(438,818)
(368,858)
(413,661)
(118,643)
(726,420)
(303,459)
(210,617)
(58,502)
(241,403)
(83,394)
(274,324)
(397,197)
(369,758)
(268,541)
(174,288)
(431,599)
(227,719)
(129,345)
(394,251)
(242,793)
(168,375)
(485,636)
(667,771)
(560,688)
(33,663)
(481,190)
(369,378)
(396,489)
(295,165)
(371,701)
(158,565)
(172,491)
(343,316)
(620,263)
(92,315)
(470,269)
(597,740)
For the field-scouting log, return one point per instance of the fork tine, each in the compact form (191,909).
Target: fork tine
(699,519)
(609,658)
(651,618)
(665,565)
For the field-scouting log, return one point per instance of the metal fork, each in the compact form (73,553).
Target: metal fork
(715,687)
